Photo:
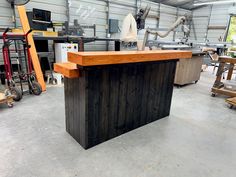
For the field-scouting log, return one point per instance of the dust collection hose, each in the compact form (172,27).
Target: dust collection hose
(180,20)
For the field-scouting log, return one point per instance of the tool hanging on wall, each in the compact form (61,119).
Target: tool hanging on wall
(33,52)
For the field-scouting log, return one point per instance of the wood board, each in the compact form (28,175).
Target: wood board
(231,101)
(68,70)
(33,52)
(123,57)
(107,101)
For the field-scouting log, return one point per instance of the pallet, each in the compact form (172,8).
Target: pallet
(8,100)
(231,102)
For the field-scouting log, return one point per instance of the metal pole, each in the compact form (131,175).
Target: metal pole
(107,25)
(118,3)
(192,26)
(228,25)
(177,16)
(209,19)
(14,14)
(68,11)
(136,4)
(158,20)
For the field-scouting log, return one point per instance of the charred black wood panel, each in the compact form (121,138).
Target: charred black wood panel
(107,101)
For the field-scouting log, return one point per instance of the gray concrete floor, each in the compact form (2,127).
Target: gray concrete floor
(197,140)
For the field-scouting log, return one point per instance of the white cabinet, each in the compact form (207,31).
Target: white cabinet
(61,50)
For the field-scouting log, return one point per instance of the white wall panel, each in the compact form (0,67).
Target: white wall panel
(90,12)
(219,17)
(200,20)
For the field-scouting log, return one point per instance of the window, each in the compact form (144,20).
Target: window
(232,30)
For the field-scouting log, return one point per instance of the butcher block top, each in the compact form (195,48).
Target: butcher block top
(70,69)
(123,57)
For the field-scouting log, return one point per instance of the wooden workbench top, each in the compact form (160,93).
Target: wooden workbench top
(227,59)
(123,57)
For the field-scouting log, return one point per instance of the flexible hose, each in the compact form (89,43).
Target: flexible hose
(179,21)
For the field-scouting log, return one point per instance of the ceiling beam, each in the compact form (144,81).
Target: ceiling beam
(198,7)
(187,2)
(166,3)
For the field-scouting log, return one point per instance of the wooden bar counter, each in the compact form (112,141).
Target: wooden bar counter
(110,93)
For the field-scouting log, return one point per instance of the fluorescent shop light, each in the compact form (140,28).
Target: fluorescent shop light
(214,2)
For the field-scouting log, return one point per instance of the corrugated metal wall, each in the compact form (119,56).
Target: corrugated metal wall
(5,19)
(90,12)
(95,12)
(217,16)
(5,14)
(57,7)
(118,10)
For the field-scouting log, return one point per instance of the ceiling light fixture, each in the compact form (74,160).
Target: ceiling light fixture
(214,2)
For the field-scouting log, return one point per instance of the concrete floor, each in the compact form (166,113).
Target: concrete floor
(197,140)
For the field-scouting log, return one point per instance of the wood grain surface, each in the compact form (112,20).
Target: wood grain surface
(33,52)
(68,70)
(107,101)
(123,57)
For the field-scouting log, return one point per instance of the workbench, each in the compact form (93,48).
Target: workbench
(78,39)
(110,93)
(218,87)
(42,43)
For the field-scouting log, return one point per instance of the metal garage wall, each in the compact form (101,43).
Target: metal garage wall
(167,18)
(95,12)
(90,12)
(118,10)
(5,20)
(219,17)
(204,17)
(200,20)
(57,7)
(5,14)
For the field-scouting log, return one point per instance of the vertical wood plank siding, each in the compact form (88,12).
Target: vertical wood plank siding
(108,101)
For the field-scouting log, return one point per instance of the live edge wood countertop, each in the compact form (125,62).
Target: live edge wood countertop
(84,59)
(123,57)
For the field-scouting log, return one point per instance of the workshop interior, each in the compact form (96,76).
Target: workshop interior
(117,88)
